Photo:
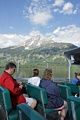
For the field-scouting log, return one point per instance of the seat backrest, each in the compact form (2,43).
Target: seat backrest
(74,107)
(74,87)
(2,114)
(65,91)
(37,92)
(5,100)
(27,113)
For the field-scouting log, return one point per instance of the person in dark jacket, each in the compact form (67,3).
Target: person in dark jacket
(53,93)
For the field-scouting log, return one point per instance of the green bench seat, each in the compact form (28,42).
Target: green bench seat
(5,102)
(41,96)
(2,114)
(74,88)
(27,113)
(74,107)
(65,91)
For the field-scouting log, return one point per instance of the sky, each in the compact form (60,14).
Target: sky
(57,20)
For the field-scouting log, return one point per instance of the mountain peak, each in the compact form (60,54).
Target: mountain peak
(34,42)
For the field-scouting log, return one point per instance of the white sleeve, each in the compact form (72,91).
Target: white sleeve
(29,80)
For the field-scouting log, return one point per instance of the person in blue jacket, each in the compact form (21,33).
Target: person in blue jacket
(76,79)
(53,93)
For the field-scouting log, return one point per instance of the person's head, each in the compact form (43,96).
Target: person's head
(78,75)
(35,72)
(75,75)
(47,74)
(10,68)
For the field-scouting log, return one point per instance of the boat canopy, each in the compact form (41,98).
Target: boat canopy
(73,57)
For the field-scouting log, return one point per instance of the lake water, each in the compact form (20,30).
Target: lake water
(60,71)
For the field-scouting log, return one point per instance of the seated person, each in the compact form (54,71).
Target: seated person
(78,83)
(76,79)
(53,93)
(7,81)
(35,80)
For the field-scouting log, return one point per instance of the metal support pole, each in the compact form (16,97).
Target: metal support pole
(69,69)
(47,65)
(18,69)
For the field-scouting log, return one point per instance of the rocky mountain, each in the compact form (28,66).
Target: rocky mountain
(37,48)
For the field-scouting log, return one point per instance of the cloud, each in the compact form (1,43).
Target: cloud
(41,18)
(34,33)
(67,8)
(41,12)
(58,3)
(61,6)
(68,34)
(7,40)
(38,12)
(11,27)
